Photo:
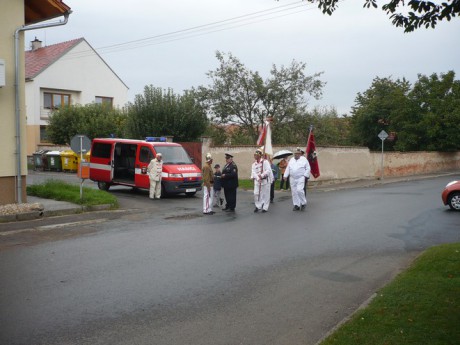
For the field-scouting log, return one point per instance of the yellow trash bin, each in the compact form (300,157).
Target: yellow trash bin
(69,161)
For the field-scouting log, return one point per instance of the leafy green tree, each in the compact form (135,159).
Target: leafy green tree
(92,120)
(375,109)
(417,13)
(438,103)
(424,117)
(329,128)
(240,96)
(159,112)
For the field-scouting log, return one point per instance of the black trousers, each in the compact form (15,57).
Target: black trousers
(230,198)
(282,181)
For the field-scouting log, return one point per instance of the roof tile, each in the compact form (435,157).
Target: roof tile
(40,59)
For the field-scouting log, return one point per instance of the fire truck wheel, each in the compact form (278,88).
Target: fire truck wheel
(103,185)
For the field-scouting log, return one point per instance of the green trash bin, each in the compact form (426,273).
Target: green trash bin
(69,161)
(38,159)
(54,160)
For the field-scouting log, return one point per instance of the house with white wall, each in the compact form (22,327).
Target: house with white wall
(63,74)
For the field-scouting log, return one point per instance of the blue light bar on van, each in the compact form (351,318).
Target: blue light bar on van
(155,139)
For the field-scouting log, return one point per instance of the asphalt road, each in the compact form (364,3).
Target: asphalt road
(159,272)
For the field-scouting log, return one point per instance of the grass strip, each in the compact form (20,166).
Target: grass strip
(421,306)
(63,191)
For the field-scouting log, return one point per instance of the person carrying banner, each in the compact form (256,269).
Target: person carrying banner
(297,170)
(261,174)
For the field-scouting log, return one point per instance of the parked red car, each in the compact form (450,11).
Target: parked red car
(451,195)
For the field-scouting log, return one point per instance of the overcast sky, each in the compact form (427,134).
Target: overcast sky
(172,43)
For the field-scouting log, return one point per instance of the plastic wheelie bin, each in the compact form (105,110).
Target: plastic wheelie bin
(54,160)
(38,158)
(69,161)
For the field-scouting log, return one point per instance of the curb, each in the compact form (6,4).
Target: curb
(52,213)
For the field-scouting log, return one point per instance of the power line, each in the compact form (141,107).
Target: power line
(200,30)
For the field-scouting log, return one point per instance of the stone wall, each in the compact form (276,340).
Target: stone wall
(348,163)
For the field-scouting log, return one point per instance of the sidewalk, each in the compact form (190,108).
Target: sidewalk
(50,207)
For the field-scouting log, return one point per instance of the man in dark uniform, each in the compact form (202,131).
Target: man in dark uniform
(229,182)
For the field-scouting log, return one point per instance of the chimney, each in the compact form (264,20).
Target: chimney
(35,44)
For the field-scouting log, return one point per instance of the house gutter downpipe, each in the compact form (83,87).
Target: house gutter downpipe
(17,100)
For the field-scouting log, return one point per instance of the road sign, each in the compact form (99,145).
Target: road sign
(383,135)
(80,143)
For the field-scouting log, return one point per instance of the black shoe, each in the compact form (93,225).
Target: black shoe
(296,208)
(302,207)
(256,210)
(210,212)
(225,209)
(264,211)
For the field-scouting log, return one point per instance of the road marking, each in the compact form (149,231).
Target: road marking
(61,225)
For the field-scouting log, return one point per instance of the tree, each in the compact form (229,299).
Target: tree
(92,120)
(438,103)
(424,117)
(160,112)
(419,13)
(330,129)
(375,110)
(240,96)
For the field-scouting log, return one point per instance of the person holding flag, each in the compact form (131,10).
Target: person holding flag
(298,170)
(261,174)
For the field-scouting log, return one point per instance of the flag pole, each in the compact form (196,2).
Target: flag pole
(263,155)
(308,139)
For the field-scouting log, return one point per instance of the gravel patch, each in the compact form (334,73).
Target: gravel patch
(11,209)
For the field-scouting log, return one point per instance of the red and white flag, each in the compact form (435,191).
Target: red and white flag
(265,138)
(262,135)
(312,155)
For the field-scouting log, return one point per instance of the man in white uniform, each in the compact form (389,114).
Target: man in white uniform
(297,170)
(262,175)
(155,170)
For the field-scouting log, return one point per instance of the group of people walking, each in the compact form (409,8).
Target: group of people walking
(264,174)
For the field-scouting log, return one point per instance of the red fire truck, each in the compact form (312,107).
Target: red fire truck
(124,162)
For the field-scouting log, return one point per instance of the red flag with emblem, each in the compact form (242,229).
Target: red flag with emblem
(311,154)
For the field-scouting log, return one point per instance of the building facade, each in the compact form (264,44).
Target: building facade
(16,17)
(63,74)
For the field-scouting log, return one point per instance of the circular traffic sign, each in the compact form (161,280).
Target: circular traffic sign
(80,143)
